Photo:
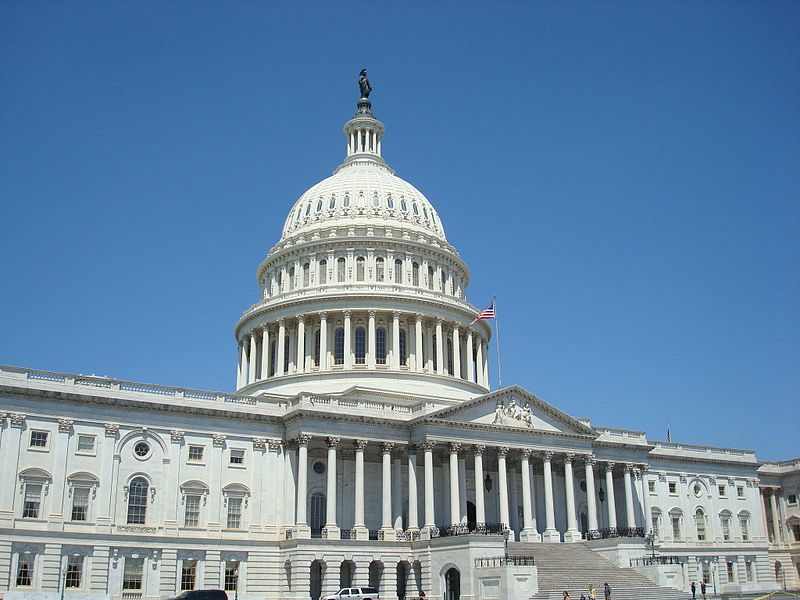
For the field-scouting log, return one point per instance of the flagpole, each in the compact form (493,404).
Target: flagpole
(497,344)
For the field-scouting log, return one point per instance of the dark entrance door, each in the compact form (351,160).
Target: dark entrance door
(471,519)
(452,584)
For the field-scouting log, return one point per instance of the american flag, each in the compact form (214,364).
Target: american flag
(486,313)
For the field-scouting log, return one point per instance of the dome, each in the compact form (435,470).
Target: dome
(363,192)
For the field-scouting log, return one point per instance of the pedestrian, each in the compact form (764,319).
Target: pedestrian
(566,595)
(694,591)
(592,592)
(422,595)
(607,590)
(703,589)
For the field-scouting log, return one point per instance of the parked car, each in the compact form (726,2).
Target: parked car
(356,593)
(202,595)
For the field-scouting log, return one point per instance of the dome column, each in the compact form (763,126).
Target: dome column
(240,370)
(251,371)
(470,357)
(429,347)
(348,359)
(418,365)
(301,344)
(396,341)
(371,340)
(265,352)
(456,352)
(281,347)
(323,341)
(440,366)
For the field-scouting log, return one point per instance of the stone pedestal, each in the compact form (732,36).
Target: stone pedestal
(551,536)
(530,535)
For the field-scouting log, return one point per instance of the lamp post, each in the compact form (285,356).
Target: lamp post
(650,540)
(506,533)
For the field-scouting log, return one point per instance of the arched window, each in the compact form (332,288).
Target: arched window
(415,274)
(398,271)
(323,272)
(415,209)
(332,203)
(338,347)
(340,269)
(346,202)
(137,501)
(403,205)
(744,525)
(450,356)
(316,347)
(378,269)
(361,345)
(286,344)
(430,278)
(389,202)
(360,268)
(273,356)
(403,348)
(655,515)
(306,275)
(319,205)
(725,523)
(308,209)
(675,519)
(291,278)
(317,513)
(380,346)
(700,524)
(297,215)
(425,212)
(376,201)
(280,281)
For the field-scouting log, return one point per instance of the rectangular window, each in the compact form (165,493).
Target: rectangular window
(792,499)
(234,513)
(196,454)
(231,575)
(673,488)
(651,486)
(188,574)
(237,456)
(726,528)
(74,572)
(80,504)
(86,444)
(740,491)
(33,501)
(721,489)
(656,531)
(748,568)
(25,570)
(133,573)
(676,528)
(731,578)
(39,439)
(745,528)
(191,517)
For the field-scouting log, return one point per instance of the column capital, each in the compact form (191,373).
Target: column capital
(281,322)
(395,314)
(303,439)
(569,457)
(265,328)
(525,453)
(176,436)
(65,425)
(502,451)
(347,314)
(301,319)
(332,441)
(112,429)
(218,439)
(438,321)
(412,448)
(629,467)
(547,456)
(371,313)
(589,459)
(478,449)
(609,465)
(274,444)
(397,453)
(254,332)
(453,447)
(456,325)
(428,445)
(323,315)
(386,447)
(418,317)
(644,468)
(359,445)
(259,443)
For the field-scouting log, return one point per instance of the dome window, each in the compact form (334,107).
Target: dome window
(338,346)
(319,205)
(389,202)
(332,203)
(403,205)
(308,208)
(297,216)
(361,202)
(361,346)
(379,270)
(415,208)
(415,274)
(398,271)
(403,349)
(376,202)
(340,270)
(346,202)
(425,212)
(360,268)
(380,346)
(323,272)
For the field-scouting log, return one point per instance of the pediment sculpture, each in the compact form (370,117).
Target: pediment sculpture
(512,412)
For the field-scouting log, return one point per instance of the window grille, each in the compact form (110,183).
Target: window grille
(191,516)
(196,453)
(380,346)
(188,574)
(74,572)
(231,575)
(323,272)
(340,270)
(338,347)
(286,344)
(361,345)
(360,268)
(398,271)
(24,570)
(415,274)
(234,513)
(133,574)
(39,439)
(80,504)
(137,501)
(403,348)
(33,501)
(86,443)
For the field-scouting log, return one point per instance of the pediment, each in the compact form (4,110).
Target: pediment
(515,408)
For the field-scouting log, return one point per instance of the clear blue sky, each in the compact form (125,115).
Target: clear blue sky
(624,176)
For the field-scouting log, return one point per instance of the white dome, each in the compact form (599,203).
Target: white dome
(363,192)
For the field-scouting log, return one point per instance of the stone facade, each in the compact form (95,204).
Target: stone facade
(362,446)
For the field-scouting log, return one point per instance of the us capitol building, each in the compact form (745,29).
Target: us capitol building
(363,446)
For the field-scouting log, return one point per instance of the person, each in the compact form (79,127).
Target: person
(607,590)
(592,592)
(422,595)
(566,595)
(583,597)
(694,591)
(703,589)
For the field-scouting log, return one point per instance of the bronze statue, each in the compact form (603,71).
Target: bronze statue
(363,84)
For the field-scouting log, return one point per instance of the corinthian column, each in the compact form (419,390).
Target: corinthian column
(251,371)
(479,360)
(396,341)
(359,527)
(386,498)
(348,358)
(502,485)
(591,505)
(303,531)
(630,518)
(571,534)
(456,352)
(371,340)
(455,504)
(419,366)
(301,344)
(331,527)
(480,510)
(323,341)
(440,366)
(430,518)
(470,357)
(281,347)
(612,504)
(265,353)
(528,533)
(550,534)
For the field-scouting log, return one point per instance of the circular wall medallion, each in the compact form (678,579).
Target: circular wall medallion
(141,450)
(698,489)
(319,467)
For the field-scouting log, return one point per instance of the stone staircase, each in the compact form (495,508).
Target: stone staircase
(572,567)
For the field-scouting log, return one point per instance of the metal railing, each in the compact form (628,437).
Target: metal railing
(467,529)
(501,561)
(613,532)
(655,560)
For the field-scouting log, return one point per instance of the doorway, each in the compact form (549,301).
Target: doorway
(452,584)
(471,518)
